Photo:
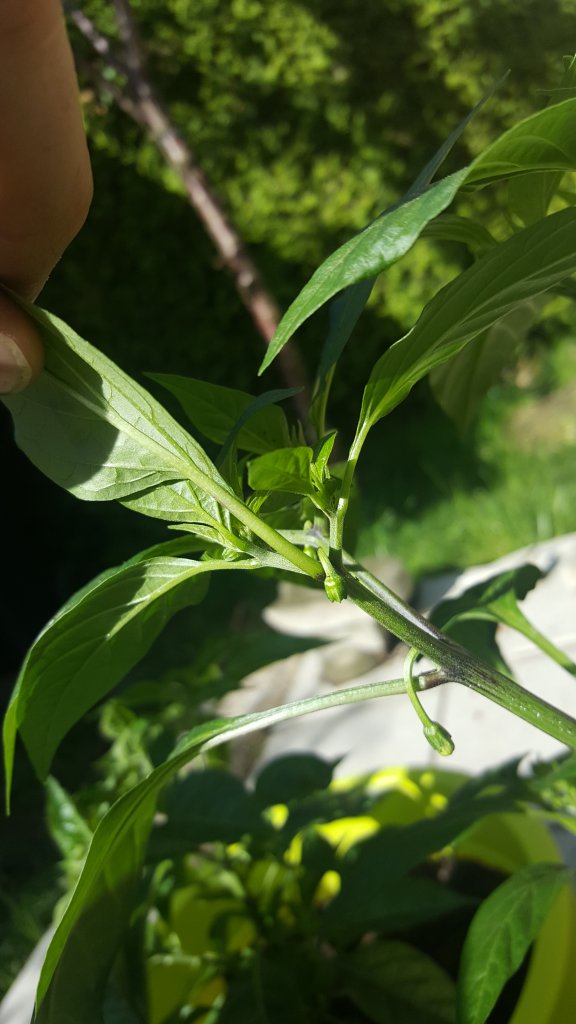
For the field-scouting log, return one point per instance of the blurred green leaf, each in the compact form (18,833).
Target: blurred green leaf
(500,935)
(205,806)
(392,981)
(291,778)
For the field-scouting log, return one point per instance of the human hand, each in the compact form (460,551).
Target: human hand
(45,176)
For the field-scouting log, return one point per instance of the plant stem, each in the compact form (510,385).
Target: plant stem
(457,664)
(302,562)
(337,530)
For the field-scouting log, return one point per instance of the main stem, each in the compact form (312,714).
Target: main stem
(458,664)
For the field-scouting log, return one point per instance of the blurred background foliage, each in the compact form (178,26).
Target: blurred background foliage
(308,118)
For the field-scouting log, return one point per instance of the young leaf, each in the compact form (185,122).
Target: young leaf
(215,411)
(529,263)
(288,469)
(460,384)
(362,257)
(545,141)
(392,981)
(88,647)
(500,935)
(321,455)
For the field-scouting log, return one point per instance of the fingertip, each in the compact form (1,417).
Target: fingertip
(21,353)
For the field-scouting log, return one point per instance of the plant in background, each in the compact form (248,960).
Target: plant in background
(274,501)
(272,903)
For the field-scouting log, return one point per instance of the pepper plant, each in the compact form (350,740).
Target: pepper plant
(272,499)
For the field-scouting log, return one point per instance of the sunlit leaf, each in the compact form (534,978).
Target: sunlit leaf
(545,141)
(527,264)
(381,244)
(288,469)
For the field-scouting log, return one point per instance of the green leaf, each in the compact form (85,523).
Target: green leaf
(530,195)
(215,411)
(372,871)
(321,455)
(392,905)
(93,430)
(392,981)
(269,398)
(500,935)
(345,311)
(377,247)
(529,263)
(292,777)
(460,384)
(88,647)
(288,469)
(496,600)
(545,141)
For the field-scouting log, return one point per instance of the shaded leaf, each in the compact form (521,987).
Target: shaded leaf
(205,806)
(76,965)
(392,905)
(90,428)
(216,411)
(529,263)
(460,384)
(392,981)
(452,228)
(291,777)
(500,935)
(288,469)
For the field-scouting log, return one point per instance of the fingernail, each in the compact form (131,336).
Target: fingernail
(15,372)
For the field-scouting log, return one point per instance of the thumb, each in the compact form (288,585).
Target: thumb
(21,354)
